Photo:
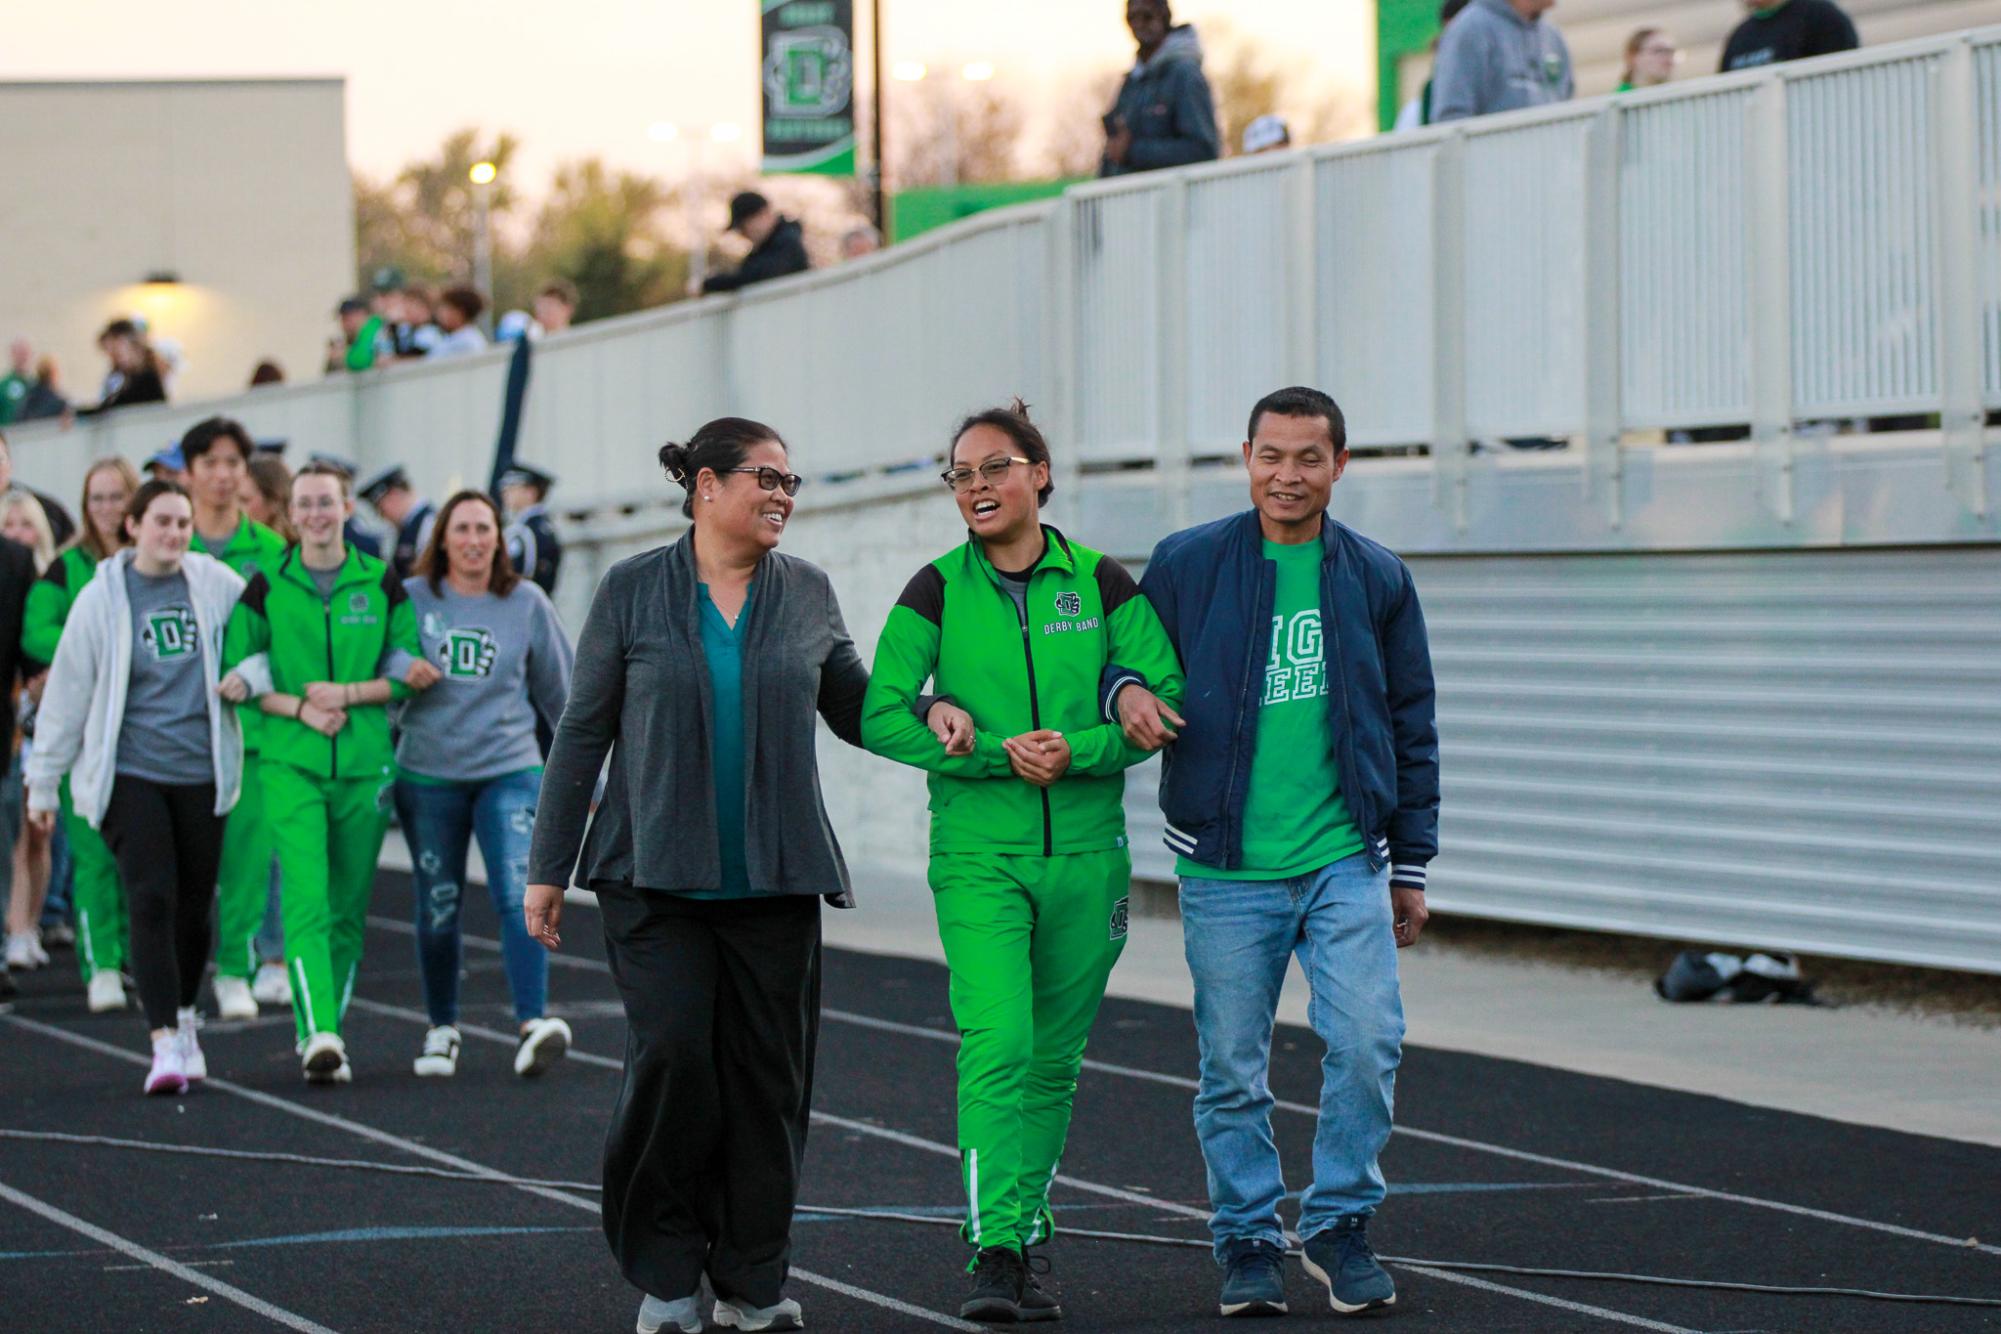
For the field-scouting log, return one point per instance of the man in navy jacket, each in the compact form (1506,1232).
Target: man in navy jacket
(1301,796)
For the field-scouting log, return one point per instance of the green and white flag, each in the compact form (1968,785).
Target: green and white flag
(809,86)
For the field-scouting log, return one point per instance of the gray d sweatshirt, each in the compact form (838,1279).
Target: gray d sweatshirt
(1492,59)
(504,659)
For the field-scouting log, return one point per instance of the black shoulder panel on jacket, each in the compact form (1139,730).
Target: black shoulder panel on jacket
(254,593)
(1115,584)
(925,595)
(392,588)
(57,573)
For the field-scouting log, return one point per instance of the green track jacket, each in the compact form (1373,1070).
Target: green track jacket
(49,600)
(251,550)
(956,623)
(348,636)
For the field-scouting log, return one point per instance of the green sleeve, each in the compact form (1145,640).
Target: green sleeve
(905,657)
(402,631)
(47,608)
(1138,642)
(248,632)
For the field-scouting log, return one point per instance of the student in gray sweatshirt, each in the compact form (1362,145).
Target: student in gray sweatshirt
(1500,55)
(468,766)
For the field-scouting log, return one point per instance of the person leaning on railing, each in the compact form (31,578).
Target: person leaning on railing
(1500,55)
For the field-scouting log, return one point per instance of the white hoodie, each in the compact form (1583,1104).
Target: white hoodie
(83,704)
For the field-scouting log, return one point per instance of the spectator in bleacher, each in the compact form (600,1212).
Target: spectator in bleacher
(1500,55)
(266,372)
(777,244)
(15,385)
(364,339)
(1776,31)
(1417,111)
(861,239)
(458,316)
(1267,134)
(413,331)
(45,397)
(1651,57)
(61,525)
(556,305)
(390,495)
(1165,115)
(136,373)
(531,535)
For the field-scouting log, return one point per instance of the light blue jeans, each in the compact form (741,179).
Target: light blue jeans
(1240,935)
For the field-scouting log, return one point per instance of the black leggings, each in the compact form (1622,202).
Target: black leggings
(168,842)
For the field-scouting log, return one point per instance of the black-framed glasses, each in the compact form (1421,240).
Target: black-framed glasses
(770,479)
(994,470)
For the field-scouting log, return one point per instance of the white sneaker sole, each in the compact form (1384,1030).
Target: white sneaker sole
(435,1067)
(729,1317)
(536,1056)
(1325,1280)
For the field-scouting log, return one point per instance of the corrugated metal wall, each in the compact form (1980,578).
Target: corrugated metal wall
(1793,749)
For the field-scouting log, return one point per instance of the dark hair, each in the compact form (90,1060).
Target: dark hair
(1299,401)
(562,289)
(273,481)
(267,372)
(1027,437)
(719,446)
(433,565)
(465,301)
(201,438)
(1450,10)
(143,498)
(319,469)
(1633,45)
(118,328)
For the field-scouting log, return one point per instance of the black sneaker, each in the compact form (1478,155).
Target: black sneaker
(1253,1278)
(997,1283)
(1340,1257)
(1034,1303)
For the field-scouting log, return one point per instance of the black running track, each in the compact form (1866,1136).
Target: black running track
(1494,1162)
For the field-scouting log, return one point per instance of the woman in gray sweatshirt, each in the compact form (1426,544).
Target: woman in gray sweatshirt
(468,766)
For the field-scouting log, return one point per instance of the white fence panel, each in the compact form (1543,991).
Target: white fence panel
(440,422)
(1119,377)
(1859,143)
(1375,236)
(1987,234)
(1523,224)
(1684,262)
(1241,285)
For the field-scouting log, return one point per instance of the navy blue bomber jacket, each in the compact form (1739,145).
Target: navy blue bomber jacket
(1213,589)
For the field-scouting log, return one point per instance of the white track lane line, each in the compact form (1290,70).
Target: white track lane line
(154,1260)
(1175,1207)
(453,1160)
(1307,1109)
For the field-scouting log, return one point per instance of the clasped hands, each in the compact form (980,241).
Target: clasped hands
(1039,757)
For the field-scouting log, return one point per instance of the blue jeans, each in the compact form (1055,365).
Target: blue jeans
(1239,935)
(440,819)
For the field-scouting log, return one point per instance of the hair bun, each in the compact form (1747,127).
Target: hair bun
(674,458)
(1019,408)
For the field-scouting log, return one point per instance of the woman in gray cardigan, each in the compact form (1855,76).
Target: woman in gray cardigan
(700,669)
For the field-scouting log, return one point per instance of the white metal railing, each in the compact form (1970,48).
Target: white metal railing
(1807,242)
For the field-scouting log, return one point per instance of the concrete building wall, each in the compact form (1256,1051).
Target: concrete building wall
(240,188)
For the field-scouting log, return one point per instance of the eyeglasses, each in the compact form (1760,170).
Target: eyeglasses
(770,479)
(994,470)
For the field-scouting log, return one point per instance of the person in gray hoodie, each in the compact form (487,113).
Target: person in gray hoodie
(1164,115)
(1500,55)
(469,766)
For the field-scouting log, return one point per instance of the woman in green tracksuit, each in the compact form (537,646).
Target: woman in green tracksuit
(1029,865)
(102,930)
(314,638)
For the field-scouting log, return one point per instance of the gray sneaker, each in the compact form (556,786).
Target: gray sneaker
(1253,1278)
(682,1317)
(742,1315)
(1340,1257)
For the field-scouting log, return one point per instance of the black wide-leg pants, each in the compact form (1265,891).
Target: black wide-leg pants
(701,1163)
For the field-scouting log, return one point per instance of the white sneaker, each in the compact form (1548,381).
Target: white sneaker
(543,1043)
(233,999)
(683,1316)
(273,986)
(107,991)
(192,1060)
(24,952)
(169,1075)
(440,1057)
(785,1315)
(323,1059)
(59,935)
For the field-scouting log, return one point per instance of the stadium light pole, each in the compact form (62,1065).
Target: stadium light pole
(482,176)
(875,126)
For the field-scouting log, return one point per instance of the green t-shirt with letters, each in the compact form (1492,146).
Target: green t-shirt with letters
(1295,821)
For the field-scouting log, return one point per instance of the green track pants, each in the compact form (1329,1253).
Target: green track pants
(243,885)
(1030,942)
(328,833)
(102,931)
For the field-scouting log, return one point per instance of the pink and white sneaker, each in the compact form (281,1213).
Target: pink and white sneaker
(169,1075)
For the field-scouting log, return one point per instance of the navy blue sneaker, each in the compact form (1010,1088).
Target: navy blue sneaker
(1340,1257)
(1253,1278)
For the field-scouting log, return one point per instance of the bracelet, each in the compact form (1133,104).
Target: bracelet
(299,713)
